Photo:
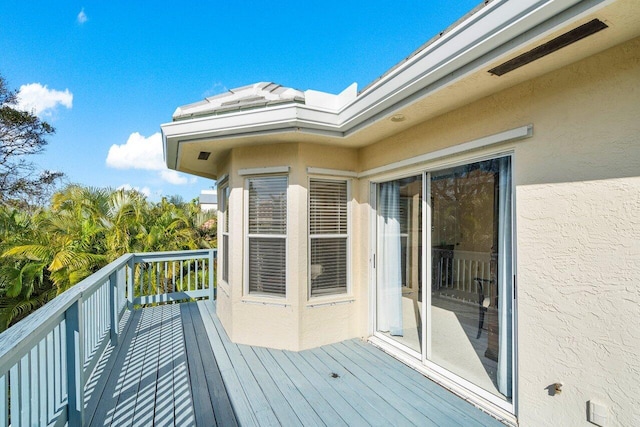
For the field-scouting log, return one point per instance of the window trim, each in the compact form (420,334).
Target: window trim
(247,295)
(224,191)
(348,294)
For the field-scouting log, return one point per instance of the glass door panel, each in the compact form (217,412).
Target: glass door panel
(470,304)
(399,283)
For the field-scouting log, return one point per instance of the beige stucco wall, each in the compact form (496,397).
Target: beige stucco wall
(295,322)
(577,228)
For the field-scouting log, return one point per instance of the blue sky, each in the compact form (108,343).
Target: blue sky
(107,74)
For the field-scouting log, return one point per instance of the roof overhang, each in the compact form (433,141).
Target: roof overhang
(457,60)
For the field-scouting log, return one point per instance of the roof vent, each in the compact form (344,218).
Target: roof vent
(551,46)
(204,155)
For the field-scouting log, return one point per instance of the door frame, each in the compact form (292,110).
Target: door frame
(420,361)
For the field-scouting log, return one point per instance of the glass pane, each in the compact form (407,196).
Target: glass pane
(328,266)
(268,205)
(267,266)
(471,310)
(225,258)
(399,292)
(327,207)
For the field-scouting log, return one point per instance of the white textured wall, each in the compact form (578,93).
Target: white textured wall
(578,213)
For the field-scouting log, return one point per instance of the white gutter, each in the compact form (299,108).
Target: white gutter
(487,34)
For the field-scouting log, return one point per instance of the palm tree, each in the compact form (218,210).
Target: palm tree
(83,230)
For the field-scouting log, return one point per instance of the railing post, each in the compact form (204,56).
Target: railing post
(130,280)
(75,361)
(113,312)
(212,289)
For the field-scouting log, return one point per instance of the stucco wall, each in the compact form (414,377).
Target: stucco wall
(294,322)
(577,229)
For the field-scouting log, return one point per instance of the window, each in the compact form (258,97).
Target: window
(224,208)
(267,235)
(328,232)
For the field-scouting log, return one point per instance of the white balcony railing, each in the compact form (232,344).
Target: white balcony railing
(47,358)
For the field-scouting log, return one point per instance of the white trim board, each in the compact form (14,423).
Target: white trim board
(263,171)
(498,138)
(331,172)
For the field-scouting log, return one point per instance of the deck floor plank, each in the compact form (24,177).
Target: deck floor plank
(145,396)
(366,408)
(104,400)
(217,392)
(258,402)
(151,379)
(237,396)
(392,390)
(285,414)
(316,391)
(447,402)
(284,381)
(164,411)
(201,401)
(347,406)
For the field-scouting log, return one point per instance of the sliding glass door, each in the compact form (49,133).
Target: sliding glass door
(467,313)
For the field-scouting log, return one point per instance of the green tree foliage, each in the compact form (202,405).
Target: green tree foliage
(43,254)
(22,134)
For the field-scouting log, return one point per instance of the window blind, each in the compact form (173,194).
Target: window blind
(328,231)
(267,230)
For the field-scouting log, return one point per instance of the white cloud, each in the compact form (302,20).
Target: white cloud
(41,100)
(145,153)
(138,152)
(173,177)
(82,17)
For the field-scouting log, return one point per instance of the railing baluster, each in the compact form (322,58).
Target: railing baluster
(181,275)
(24,387)
(57,369)
(43,386)
(130,280)
(4,400)
(34,380)
(196,276)
(75,356)
(113,308)
(14,379)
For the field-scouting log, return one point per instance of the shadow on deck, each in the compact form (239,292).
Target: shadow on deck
(176,366)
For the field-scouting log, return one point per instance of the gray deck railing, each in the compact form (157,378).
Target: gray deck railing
(73,330)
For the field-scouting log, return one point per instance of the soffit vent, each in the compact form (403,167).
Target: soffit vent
(204,155)
(551,46)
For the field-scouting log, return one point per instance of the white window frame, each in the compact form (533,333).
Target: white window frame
(348,290)
(266,173)
(225,193)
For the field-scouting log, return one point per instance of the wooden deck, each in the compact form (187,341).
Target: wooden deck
(176,366)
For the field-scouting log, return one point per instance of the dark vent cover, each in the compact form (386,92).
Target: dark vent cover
(551,46)
(204,155)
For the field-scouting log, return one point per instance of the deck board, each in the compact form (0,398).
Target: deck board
(215,390)
(177,366)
